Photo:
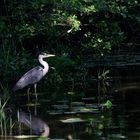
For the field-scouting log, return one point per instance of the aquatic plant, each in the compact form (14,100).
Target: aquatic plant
(6,120)
(103,84)
(3,118)
(108,104)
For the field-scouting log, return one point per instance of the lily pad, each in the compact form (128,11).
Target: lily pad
(118,136)
(25,136)
(32,105)
(61,106)
(78,103)
(55,113)
(89,110)
(73,120)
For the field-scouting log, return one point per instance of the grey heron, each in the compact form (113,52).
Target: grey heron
(37,125)
(33,76)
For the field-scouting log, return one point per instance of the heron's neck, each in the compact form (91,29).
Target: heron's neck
(45,65)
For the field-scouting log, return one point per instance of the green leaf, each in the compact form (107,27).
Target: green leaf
(108,104)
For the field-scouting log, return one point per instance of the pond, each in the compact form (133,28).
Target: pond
(117,123)
(87,119)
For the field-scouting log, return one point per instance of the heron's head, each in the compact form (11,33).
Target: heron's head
(45,55)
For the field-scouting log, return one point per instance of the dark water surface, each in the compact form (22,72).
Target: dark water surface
(92,121)
(120,122)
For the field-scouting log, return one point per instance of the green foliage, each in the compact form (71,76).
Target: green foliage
(108,104)
(3,107)
(73,22)
(12,64)
(2,26)
(68,28)
(100,23)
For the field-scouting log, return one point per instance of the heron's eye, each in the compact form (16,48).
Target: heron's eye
(44,53)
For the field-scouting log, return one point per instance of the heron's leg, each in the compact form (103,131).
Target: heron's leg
(35,111)
(35,85)
(30,116)
(28,96)
(19,126)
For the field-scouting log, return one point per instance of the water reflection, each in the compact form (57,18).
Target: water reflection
(88,121)
(38,126)
(115,124)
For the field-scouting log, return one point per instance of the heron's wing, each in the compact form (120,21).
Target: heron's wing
(31,77)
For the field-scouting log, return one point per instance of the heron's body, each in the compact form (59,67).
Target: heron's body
(31,77)
(34,75)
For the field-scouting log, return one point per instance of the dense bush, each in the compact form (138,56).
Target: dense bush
(65,27)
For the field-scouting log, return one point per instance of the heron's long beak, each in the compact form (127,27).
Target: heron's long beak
(50,55)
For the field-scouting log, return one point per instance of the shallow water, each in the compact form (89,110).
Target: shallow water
(88,121)
(121,122)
